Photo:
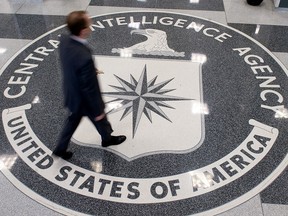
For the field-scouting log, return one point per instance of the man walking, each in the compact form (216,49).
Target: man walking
(81,88)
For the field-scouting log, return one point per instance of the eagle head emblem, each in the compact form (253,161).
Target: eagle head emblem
(155,44)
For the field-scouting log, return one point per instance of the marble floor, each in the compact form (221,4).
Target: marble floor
(199,88)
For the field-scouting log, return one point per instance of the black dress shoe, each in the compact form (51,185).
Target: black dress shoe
(115,140)
(66,155)
(254,2)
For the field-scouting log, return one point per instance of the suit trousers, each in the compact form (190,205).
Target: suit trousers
(103,127)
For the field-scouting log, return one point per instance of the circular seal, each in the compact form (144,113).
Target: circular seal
(203,107)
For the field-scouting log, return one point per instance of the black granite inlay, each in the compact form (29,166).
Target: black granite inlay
(215,5)
(273,37)
(277,192)
(283,3)
(125,3)
(24,26)
(229,87)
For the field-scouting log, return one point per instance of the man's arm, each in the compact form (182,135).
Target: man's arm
(90,89)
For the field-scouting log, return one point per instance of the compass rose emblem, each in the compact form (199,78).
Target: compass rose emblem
(138,97)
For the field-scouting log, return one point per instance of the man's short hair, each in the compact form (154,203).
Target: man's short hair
(76,22)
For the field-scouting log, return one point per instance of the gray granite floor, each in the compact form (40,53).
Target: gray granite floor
(221,174)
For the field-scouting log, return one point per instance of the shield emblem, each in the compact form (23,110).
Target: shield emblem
(156,103)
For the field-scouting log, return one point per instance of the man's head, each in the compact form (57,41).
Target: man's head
(78,24)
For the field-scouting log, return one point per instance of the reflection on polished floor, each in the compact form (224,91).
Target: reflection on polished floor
(198,87)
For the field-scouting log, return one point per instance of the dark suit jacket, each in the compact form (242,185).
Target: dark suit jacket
(80,83)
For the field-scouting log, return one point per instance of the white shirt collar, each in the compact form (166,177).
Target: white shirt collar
(81,40)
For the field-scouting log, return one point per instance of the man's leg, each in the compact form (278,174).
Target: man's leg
(104,129)
(70,126)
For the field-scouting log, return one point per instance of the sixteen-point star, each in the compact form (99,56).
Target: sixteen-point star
(141,97)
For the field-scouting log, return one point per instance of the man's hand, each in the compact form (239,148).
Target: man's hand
(100,117)
(99,72)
